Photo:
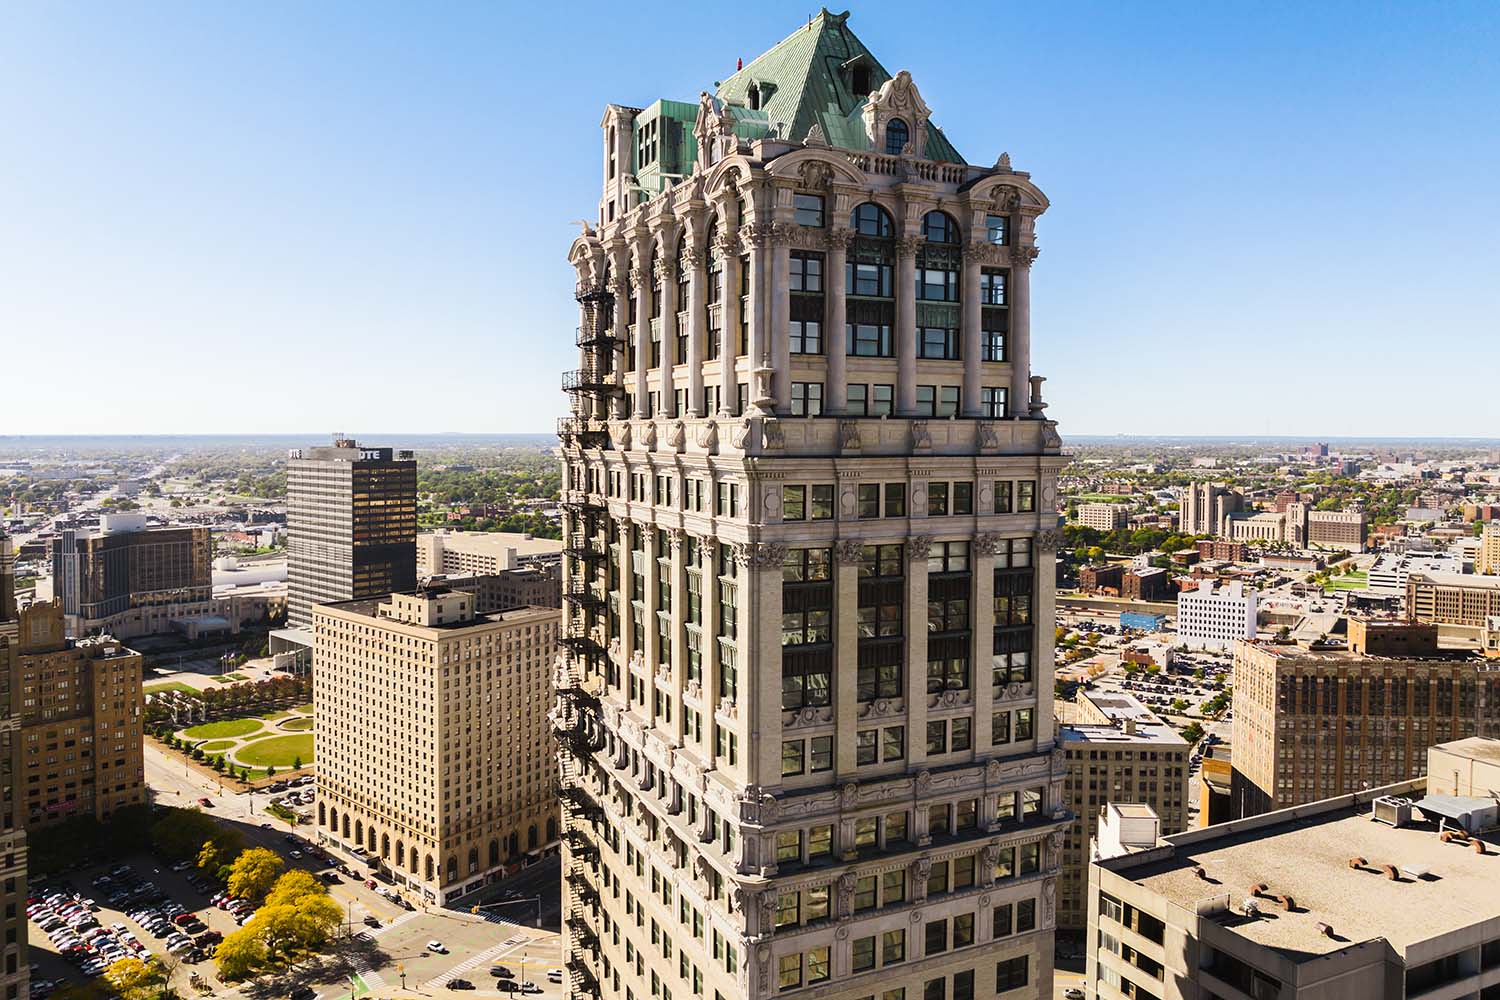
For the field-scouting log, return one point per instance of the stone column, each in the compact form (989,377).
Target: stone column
(697,332)
(760,665)
(663,272)
(916,650)
(620,326)
(649,637)
(640,283)
(845,657)
(729,320)
(1019,346)
(709,561)
(627,644)
(969,296)
(781,313)
(664,372)
(1043,614)
(679,652)
(836,396)
(982,621)
(757,235)
(906,325)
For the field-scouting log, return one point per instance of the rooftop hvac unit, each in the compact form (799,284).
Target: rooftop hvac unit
(1391,809)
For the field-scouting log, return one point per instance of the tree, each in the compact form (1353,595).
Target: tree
(1193,733)
(134,979)
(271,771)
(293,886)
(296,763)
(180,833)
(240,953)
(254,872)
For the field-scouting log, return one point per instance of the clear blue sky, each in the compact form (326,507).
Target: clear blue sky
(269,217)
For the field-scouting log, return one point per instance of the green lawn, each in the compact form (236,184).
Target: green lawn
(273,716)
(169,686)
(228,727)
(307,709)
(278,751)
(230,678)
(297,725)
(217,746)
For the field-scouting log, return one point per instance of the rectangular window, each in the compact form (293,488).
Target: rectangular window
(819,843)
(868,340)
(1000,729)
(893,946)
(806,336)
(865,746)
(822,502)
(1025,916)
(1026,496)
(936,934)
(893,744)
(864,951)
(963,498)
(997,229)
(857,399)
(788,972)
(992,288)
(805,271)
(1003,496)
(822,754)
(937,737)
(807,209)
(1011,974)
(992,345)
(882,400)
(935,343)
(895,499)
(992,403)
(1024,729)
(794,503)
(807,399)
(937,499)
(792,758)
(868,500)
(962,739)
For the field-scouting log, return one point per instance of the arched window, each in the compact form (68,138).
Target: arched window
(531,837)
(938,268)
(346,826)
(372,840)
(322,814)
(429,867)
(452,868)
(359,832)
(400,854)
(896,136)
(385,846)
(870,307)
(494,853)
(551,830)
(473,860)
(713,318)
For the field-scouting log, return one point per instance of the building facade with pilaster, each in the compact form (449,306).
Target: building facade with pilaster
(805,704)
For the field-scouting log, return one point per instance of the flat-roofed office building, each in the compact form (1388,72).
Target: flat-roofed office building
(435,759)
(1317,902)
(351,522)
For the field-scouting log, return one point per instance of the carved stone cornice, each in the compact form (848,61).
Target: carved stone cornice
(984,252)
(1049,540)
(1023,256)
(907,246)
(762,555)
(988,544)
(784,234)
(664,269)
(917,547)
(637,277)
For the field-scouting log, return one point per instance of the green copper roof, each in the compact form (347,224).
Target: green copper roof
(804,80)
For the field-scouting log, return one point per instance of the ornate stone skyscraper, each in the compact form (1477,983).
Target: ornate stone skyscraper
(805,698)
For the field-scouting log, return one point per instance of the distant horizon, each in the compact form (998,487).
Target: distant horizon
(377,438)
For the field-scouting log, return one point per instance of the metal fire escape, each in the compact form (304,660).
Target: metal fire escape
(593,386)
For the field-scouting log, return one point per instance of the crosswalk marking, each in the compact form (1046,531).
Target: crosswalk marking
(484,957)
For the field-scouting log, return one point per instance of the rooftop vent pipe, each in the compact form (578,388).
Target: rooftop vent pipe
(1357,863)
(1390,872)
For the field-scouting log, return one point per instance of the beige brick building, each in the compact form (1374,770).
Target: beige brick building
(14,974)
(464,698)
(1460,604)
(1309,724)
(810,521)
(1117,751)
(1103,516)
(79,706)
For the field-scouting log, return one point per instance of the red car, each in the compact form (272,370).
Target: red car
(206,802)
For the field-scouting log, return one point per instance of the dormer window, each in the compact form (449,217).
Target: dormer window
(896,136)
(754,97)
(859,81)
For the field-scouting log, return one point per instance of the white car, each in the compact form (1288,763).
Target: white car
(437,946)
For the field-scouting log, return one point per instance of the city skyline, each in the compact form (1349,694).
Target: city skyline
(285,194)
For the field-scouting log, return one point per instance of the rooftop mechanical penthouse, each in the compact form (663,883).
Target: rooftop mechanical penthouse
(805,711)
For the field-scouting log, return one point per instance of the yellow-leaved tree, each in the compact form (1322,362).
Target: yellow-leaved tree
(135,979)
(240,954)
(254,872)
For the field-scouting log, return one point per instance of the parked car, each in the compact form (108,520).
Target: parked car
(437,946)
(460,984)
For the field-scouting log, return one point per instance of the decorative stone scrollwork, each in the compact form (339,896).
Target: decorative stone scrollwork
(784,234)
(815,136)
(676,434)
(708,434)
(663,269)
(1049,903)
(923,781)
(773,437)
(726,245)
(880,706)
(918,546)
(1023,256)
(1048,540)
(921,437)
(1003,163)
(675,537)
(765,555)
(637,276)
(815,175)
(756,235)
(988,439)
(1007,198)
(847,551)
(849,795)
(648,434)
(988,544)
(1050,438)
(740,434)
(907,246)
(849,435)
(619,433)
(837,239)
